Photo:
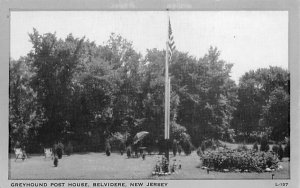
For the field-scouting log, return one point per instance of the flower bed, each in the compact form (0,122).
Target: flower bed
(163,167)
(232,160)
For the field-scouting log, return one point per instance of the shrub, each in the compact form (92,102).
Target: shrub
(255,146)
(69,148)
(179,149)
(214,147)
(275,149)
(242,147)
(187,147)
(107,151)
(122,147)
(149,149)
(280,152)
(59,149)
(264,144)
(199,151)
(128,151)
(174,147)
(55,161)
(241,160)
(210,144)
(229,135)
(107,148)
(271,142)
(203,147)
(287,149)
(60,145)
(253,137)
(186,144)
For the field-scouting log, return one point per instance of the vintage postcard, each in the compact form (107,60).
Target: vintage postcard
(141,95)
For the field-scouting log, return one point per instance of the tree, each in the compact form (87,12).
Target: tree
(24,113)
(127,101)
(206,92)
(71,90)
(152,94)
(256,96)
(276,114)
(250,105)
(54,63)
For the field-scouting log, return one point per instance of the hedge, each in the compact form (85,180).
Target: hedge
(239,160)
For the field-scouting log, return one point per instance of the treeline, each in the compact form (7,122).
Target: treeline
(74,91)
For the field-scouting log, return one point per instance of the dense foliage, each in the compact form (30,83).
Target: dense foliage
(264,105)
(81,94)
(255,146)
(264,144)
(239,160)
(287,150)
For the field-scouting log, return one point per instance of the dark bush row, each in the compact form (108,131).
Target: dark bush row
(242,160)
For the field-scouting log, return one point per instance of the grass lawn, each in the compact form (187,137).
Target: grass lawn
(99,166)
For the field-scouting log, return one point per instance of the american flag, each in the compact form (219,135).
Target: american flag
(171,43)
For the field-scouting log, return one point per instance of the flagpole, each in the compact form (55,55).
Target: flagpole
(169,104)
(166,106)
(167,96)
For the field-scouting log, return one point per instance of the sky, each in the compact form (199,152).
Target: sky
(248,39)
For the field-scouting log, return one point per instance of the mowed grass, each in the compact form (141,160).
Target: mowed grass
(83,166)
(100,166)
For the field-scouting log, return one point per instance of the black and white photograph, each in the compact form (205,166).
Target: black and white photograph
(157,95)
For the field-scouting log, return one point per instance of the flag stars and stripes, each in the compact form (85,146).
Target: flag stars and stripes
(171,43)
